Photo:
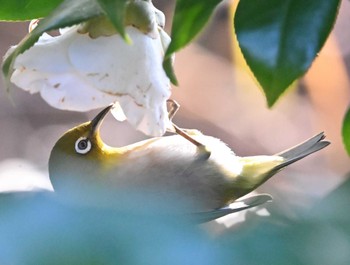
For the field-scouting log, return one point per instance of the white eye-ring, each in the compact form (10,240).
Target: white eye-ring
(82,145)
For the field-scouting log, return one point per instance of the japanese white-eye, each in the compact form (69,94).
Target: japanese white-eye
(166,165)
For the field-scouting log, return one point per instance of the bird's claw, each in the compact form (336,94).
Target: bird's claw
(203,151)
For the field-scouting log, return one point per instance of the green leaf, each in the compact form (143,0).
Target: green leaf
(70,12)
(114,9)
(346,131)
(189,19)
(169,69)
(16,10)
(280,38)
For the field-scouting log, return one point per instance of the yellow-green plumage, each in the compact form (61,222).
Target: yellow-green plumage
(167,165)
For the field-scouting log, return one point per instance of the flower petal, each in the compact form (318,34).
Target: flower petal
(75,72)
(133,73)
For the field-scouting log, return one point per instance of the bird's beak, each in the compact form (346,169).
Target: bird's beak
(96,122)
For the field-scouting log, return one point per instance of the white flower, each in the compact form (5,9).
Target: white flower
(74,71)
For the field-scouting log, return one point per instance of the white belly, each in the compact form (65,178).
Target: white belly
(172,165)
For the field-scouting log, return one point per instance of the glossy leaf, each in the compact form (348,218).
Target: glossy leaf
(189,19)
(346,131)
(280,38)
(16,10)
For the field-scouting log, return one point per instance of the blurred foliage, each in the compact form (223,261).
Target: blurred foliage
(47,228)
(102,227)
(319,237)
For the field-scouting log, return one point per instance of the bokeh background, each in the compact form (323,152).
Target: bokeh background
(218,96)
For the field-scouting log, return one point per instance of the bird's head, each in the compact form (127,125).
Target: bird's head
(80,151)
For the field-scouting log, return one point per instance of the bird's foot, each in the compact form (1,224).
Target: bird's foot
(187,133)
(173,108)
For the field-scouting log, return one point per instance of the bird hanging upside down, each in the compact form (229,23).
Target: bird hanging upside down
(212,177)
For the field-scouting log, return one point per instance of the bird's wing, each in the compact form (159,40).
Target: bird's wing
(237,206)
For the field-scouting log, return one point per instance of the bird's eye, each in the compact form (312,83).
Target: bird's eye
(82,145)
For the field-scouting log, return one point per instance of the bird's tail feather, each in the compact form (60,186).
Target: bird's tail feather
(302,150)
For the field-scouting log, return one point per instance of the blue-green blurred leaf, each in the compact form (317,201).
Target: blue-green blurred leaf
(46,228)
(346,131)
(331,208)
(16,10)
(280,38)
(321,236)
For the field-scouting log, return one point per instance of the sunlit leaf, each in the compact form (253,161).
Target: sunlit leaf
(16,10)
(280,38)
(189,19)
(346,131)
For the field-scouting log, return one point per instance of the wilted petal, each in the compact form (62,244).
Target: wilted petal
(76,72)
(45,68)
(137,79)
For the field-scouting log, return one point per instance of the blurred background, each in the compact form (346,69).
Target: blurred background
(218,96)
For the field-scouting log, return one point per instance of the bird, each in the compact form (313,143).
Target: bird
(212,178)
